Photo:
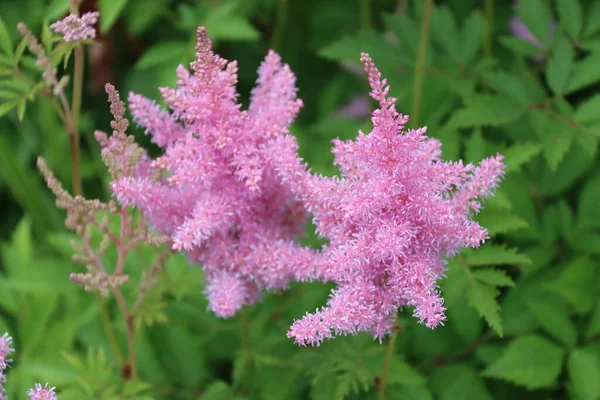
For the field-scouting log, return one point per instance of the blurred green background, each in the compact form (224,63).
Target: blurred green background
(523,311)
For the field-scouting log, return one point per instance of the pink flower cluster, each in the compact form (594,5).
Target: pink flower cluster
(5,350)
(215,191)
(39,392)
(231,191)
(75,29)
(394,214)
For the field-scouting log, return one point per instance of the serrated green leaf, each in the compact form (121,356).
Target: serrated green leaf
(592,23)
(166,51)
(401,372)
(570,16)
(593,327)
(537,17)
(226,23)
(498,222)
(482,297)
(8,105)
(584,370)
(472,34)
(530,361)
(459,382)
(381,50)
(445,31)
(555,146)
(5,42)
(554,321)
(585,73)
(589,111)
(218,391)
(486,110)
(490,254)
(521,46)
(576,285)
(494,277)
(588,211)
(475,147)
(509,85)
(560,66)
(519,154)
(109,12)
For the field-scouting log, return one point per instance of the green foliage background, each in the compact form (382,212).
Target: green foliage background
(523,311)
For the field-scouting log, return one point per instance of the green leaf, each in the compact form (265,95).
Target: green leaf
(486,110)
(8,105)
(584,370)
(494,277)
(554,321)
(574,164)
(519,154)
(482,297)
(594,325)
(445,32)
(472,34)
(162,52)
(225,23)
(498,222)
(475,147)
(585,73)
(593,19)
(570,16)
(589,111)
(5,42)
(490,254)
(401,372)
(530,361)
(382,51)
(537,17)
(459,382)
(509,85)
(576,284)
(555,145)
(109,13)
(218,390)
(521,46)
(560,66)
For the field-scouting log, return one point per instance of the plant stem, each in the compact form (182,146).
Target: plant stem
(112,340)
(365,14)
(489,17)
(129,369)
(387,361)
(76,110)
(279,24)
(420,65)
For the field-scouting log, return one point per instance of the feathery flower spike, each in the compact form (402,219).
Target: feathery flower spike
(394,214)
(75,29)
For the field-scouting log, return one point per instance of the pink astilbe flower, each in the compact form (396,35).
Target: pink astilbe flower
(40,392)
(5,351)
(75,29)
(214,191)
(394,214)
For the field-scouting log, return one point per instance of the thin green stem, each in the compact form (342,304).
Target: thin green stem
(279,24)
(420,65)
(129,369)
(106,325)
(489,26)
(76,110)
(387,361)
(365,14)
